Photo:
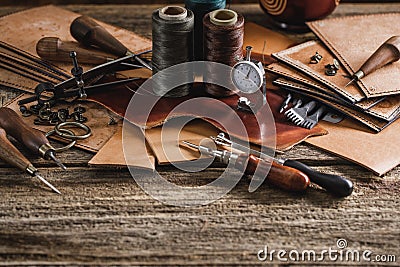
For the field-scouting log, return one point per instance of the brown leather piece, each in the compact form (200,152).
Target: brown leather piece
(264,42)
(298,57)
(165,140)
(287,134)
(98,119)
(353,39)
(24,29)
(112,153)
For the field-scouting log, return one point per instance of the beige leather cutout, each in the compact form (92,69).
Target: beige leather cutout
(263,40)
(112,153)
(353,39)
(169,150)
(377,152)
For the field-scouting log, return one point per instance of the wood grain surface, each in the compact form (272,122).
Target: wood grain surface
(104,218)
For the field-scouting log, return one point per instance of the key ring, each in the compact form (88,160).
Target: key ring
(64,148)
(75,124)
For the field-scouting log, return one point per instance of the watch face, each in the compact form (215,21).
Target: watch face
(246,77)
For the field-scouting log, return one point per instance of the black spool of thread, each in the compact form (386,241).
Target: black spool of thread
(172,31)
(223,42)
(201,8)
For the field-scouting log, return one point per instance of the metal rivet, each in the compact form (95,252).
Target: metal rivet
(331,69)
(315,59)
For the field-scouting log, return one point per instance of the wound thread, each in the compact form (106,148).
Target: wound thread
(201,8)
(172,31)
(223,42)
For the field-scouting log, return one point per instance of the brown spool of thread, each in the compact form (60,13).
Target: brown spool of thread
(223,42)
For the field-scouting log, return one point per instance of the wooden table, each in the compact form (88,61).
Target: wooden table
(103,217)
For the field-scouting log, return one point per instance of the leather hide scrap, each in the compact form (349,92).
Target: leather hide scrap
(287,134)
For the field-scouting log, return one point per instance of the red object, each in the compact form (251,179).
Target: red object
(292,14)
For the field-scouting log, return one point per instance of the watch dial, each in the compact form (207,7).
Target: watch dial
(246,78)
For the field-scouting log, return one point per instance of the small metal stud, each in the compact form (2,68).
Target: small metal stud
(315,59)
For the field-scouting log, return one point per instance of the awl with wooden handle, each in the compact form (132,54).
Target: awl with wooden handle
(55,49)
(283,177)
(89,33)
(10,154)
(387,53)
(33,139)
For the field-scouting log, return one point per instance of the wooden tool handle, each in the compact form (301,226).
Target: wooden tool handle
(281,176)
(54,49)
(86,31)
(10,154)
(387,53)
(14,126)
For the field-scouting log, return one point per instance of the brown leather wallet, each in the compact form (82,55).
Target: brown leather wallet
(298,57)
(353,39)
(372,122)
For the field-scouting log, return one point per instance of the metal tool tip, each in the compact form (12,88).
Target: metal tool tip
(57,161)
(47,183)
(189,144)
(351,81)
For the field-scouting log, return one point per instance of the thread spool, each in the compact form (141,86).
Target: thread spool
(201,8)
(172,30)
(223,42)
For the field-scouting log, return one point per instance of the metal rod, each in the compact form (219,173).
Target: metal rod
(57,161)
(33,58)
(47,183)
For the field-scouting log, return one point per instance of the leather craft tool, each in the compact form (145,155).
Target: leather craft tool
(334,184)
(33,139)
(172,31)
(88,32)
(36,61)
(311,120)
(286,178)
(9,153)
(70,88)
(55,49)
(388,52)
(285,103)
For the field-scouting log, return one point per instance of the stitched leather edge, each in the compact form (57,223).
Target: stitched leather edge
(313,26)
(283,56)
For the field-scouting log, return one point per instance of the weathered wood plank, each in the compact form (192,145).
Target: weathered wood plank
(107,218)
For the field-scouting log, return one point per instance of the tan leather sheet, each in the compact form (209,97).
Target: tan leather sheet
(264,41)
(165,141)
(112,153)
(353,39)
(24,29)
(377,152)
(98,119)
